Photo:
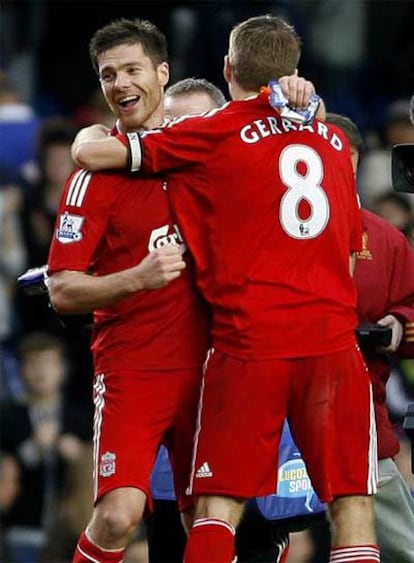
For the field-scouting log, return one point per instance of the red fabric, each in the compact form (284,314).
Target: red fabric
(122,138)
(88,552)
(134,412)
(210,541)
(277,277)
(116,221)
(384,275)
(355,554)
(284,555)
(328,402)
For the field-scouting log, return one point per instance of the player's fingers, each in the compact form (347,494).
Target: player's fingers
(297,90)
(177,265)
(307,93)
(303,93)
(168,250)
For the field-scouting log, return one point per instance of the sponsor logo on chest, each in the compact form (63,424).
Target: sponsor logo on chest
(165,235)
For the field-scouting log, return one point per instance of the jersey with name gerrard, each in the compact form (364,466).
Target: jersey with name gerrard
(269,211)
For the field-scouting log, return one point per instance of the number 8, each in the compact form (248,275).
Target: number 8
(302,187)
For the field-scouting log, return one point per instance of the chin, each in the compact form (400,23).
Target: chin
(133,121)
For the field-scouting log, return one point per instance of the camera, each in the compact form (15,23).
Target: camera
(373,336)
(402,168)
(402,162)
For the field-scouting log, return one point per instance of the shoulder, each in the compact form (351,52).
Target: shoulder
(84,184)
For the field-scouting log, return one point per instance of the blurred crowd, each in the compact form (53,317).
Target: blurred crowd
(45,368)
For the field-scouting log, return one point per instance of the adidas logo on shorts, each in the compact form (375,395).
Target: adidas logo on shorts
(204,471)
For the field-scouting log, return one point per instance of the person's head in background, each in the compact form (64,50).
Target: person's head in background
(54,157)
(396,209)
(191,96)
(130,58)
(43,365)
(398,127)
(260,49)
(352,133)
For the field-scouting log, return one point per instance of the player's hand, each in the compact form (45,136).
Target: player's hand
(397,332)
(86,134)
(297,90)
(160,267)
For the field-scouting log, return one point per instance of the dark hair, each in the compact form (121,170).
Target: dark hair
(39,342)
(399,200)
(195,85)
(350,129)
(262,48)
(56,131)
(129,32)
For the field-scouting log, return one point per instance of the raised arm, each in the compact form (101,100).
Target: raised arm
(94,150)
(299,91)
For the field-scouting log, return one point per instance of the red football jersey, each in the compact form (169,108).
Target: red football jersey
(269,211)
(104,225)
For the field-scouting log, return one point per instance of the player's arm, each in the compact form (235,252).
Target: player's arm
(94,150)
(73,292)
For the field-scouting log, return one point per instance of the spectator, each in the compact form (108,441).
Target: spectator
(395,208)
(51,167)
(9,490)
(46,435)
(12,262)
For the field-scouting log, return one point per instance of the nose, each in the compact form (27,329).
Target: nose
(122,80)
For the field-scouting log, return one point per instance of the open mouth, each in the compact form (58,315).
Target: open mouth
(129,101)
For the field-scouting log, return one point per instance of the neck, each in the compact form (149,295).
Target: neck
(239,93)
(155,120)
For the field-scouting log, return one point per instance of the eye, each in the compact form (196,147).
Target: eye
(106,77)
(134,70)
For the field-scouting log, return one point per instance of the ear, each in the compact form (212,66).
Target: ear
(163,71)
(227,69)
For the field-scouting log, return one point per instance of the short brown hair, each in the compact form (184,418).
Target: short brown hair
(129,32)
(262,48)
(195,85)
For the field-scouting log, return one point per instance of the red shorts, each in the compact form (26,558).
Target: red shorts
(328,402)
(136,411)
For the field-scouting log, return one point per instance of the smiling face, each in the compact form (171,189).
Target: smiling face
(133,86)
